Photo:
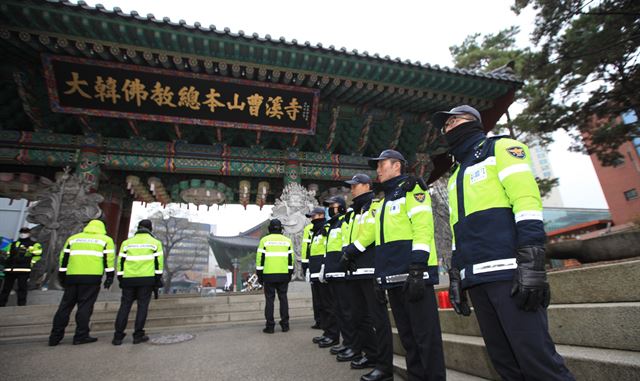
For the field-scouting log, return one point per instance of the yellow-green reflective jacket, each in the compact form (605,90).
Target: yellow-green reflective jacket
(22,255)
(332,268)
(87,255)
(404,234)
(140,259)
(359,230)
(306,243)
(495,207)
(317,251)
(274,258)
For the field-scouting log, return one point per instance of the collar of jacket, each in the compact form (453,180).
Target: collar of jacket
(392,184)
(360,201)
(334,221)
(144,231)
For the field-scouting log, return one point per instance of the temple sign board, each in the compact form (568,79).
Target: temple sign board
(108,89)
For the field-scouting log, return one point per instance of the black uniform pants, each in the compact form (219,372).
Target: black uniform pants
(328,321)
(142,294)
(342,311)
(371,321)
(84,295)
(419,330)
(270,290)
(315,299)
(518,341)
(9,279)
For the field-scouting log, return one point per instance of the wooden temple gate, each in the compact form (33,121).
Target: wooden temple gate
(152,110)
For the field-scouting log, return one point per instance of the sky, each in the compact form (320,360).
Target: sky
(416,30)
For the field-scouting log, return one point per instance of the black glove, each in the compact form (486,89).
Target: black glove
(62,279)
(290,275)
(381,295)
(414,285)
(348,262)
(457,295)
(305,267)
(158,281)
(108,282)
(411,181)
(260,277)
(120,281)
(530,288)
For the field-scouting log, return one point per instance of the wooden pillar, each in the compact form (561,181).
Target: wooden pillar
(88,168)
(292,167)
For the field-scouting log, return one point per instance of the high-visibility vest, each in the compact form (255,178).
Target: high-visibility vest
(332,268)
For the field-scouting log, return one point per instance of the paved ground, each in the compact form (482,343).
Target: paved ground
(238,352)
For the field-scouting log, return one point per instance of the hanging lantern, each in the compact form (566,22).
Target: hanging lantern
(263,192)
(244,192)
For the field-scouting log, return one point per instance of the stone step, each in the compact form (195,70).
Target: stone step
(585,363)
(156,310)
(162,302)
(11,333)
(400,370)
(600,325)
(600,283)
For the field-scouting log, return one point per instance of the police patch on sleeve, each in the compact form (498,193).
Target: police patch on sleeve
(517,152)
(420,197)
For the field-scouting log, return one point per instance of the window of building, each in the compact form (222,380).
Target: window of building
(631,194)
(629,117)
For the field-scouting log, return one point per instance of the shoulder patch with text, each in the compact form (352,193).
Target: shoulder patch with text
(420,197)
(517,152)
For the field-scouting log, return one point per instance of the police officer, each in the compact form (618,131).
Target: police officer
(498,253)
(368,301)
(22,255)
(407,266)
(139,269)
(318,247)
(84,258)
(305,247)
(274,265)
(334,274)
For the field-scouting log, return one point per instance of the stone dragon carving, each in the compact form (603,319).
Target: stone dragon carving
(62,209)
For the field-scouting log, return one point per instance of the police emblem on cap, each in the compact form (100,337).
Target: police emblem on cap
(517,152)
(420,197)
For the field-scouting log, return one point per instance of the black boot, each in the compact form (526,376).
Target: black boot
(362,363)
(348,355)
(85,340)
(141,339)
(327,342)
(377,375)
(337,349)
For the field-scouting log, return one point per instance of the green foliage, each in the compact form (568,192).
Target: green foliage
(498,52)
(546,185)
(586,70)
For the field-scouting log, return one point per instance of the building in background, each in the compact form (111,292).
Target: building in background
(189,255)
(621,183)
(541,167)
